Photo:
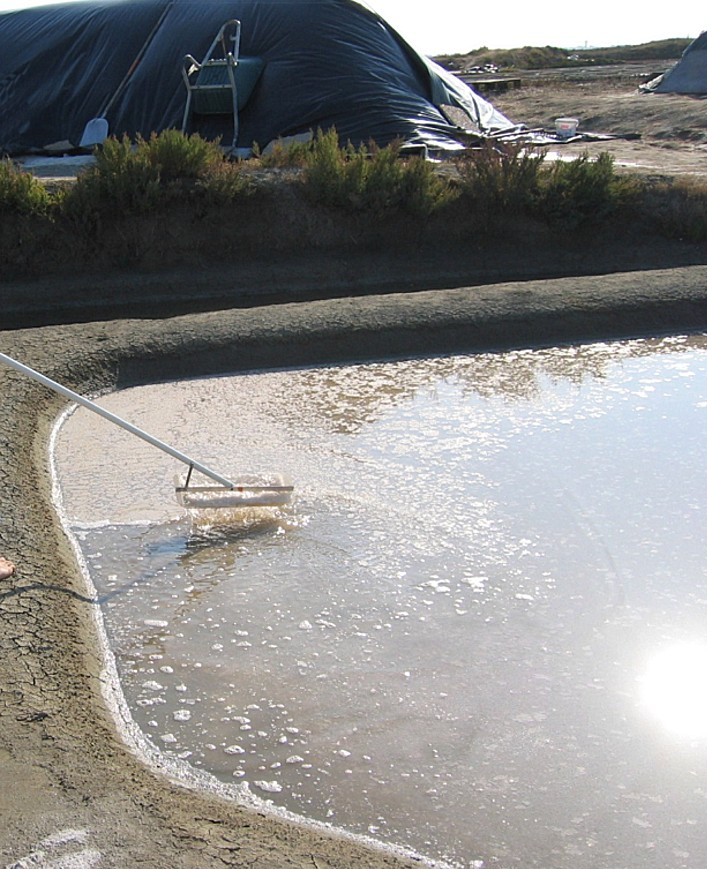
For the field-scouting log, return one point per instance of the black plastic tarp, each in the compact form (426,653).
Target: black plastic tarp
(326,63)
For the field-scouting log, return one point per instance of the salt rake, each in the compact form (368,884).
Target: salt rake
(245,493)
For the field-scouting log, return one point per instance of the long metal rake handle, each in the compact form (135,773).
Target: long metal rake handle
(117,420)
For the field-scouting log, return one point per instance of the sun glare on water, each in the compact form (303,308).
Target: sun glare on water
(675,688)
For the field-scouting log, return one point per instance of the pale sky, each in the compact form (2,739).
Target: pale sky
(435,27)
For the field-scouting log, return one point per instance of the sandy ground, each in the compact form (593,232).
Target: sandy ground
(655,134)
(77,790)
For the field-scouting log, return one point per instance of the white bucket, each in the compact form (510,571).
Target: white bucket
(566,127)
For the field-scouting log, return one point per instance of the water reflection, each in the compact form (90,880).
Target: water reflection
(445,642)
(333,396)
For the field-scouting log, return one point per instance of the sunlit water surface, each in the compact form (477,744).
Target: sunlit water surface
(478,631)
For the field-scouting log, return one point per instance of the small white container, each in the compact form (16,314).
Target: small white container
(566,127)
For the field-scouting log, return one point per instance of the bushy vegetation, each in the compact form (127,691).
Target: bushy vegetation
(117,209)
(141,201)
(532,58)
(504,178)
(501,178)
(136,178)
(368,179)
(497,178)
(21,193)
(679,209)
(583,191)
(656,50)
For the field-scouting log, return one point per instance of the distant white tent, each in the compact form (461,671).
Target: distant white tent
(688,76)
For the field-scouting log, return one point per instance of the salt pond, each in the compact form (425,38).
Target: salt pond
(477,632)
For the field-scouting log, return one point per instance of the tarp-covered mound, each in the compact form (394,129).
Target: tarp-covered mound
(326,63)
(688,76)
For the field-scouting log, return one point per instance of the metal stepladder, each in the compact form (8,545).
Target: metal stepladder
(220,85)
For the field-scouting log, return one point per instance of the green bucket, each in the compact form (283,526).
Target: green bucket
(212,91)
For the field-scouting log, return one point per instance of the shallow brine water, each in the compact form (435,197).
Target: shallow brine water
(479,629)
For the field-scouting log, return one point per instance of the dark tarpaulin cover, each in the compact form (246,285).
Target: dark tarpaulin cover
(326,63)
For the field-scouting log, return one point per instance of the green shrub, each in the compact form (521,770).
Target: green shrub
(26,219)
(581,191)
(423,191)
(382,171)
(501,177)
(325,170)
(122,182)
(678,209)
(222,183)
(178,157)
(21,193)
(369,179)
(140,178)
